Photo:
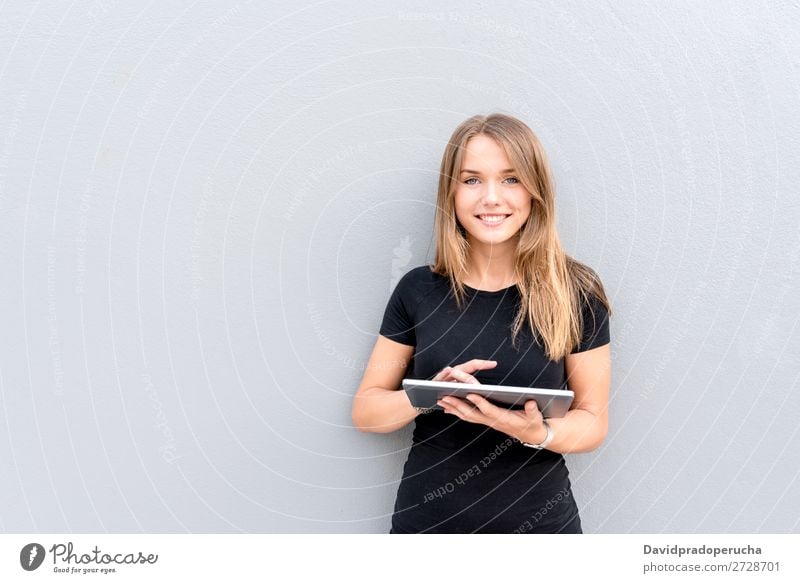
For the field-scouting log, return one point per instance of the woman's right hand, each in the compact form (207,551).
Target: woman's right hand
(462,373)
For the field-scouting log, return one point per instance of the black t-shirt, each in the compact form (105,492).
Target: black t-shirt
(467,477)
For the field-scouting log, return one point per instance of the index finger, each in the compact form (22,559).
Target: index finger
(477,364)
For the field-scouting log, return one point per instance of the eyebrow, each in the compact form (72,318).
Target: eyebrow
(506,171)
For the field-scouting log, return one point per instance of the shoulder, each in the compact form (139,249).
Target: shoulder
(419,277)
(422,272)
(589,287)
(594,305)
(417,284)
(594,310)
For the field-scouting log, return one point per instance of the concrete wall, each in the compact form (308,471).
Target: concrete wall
(205,205)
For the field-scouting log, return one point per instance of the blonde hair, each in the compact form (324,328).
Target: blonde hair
(552,285)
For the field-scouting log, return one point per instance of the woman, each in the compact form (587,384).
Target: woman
(503,304)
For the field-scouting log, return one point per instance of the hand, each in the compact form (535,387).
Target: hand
(525,425)
(461,373)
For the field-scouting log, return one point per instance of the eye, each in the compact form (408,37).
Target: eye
(467,181)
(516,181)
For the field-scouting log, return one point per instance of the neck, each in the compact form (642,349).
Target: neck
(490,266)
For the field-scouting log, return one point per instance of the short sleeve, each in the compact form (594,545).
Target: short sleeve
(398,318)
(595,325)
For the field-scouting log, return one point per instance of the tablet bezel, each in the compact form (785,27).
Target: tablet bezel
(552,402)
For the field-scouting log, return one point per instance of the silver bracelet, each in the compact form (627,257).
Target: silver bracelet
(547,439)
(425,410)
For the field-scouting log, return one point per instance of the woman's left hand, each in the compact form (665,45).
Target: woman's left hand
(525,425)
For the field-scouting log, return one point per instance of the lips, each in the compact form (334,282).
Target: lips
(492,219)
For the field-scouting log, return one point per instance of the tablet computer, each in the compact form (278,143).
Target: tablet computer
(551,402)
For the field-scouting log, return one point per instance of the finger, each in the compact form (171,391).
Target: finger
(457,403)
(465,410)
(532,407)
(448,405)
(463,377)
(484,405)
(492,415)
(443,374)
(477,364)
(456,412)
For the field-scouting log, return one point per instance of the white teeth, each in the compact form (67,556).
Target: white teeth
(492,218)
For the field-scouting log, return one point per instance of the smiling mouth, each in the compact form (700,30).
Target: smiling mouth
(492,220)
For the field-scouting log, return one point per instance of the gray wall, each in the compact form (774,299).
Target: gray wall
(205,206)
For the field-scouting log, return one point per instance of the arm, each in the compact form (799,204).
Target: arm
(380,405)
(584,426)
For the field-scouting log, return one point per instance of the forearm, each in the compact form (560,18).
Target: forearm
(380,410)
(578,431)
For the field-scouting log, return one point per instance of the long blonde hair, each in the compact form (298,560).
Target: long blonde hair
(552,285)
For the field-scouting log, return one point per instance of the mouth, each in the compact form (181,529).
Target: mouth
(492,220)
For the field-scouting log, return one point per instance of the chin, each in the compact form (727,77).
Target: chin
(499,239)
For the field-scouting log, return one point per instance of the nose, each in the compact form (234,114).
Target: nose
(491,194)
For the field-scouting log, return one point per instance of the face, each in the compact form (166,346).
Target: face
(490,201)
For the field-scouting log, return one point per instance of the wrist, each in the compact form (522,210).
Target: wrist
(540,439)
